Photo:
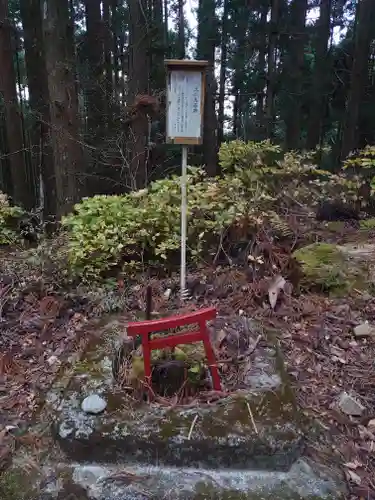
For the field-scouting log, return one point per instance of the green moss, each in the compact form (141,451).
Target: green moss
(367,224)
(88,367)
(336,226)
(326,268)
(206,491)
(192,354)
(15,486)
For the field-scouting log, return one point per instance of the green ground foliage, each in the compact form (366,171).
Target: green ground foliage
(327,269)
(258,187)
(9,217)
(258,184)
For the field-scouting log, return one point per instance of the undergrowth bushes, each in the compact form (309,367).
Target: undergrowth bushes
(258,187)
(9,217)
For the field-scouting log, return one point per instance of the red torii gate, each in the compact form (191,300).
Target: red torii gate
(145,328)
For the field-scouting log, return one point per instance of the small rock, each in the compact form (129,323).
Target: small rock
(350,406)
(52,360)
(10,428)
(94,404)
(366,296)
(167,293)
(66,429)
(364,330)
(342,309)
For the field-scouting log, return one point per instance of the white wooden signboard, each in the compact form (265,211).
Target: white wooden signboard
(184,104)
(185,101)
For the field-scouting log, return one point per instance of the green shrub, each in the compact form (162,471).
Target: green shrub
(9,217)
(240,154)
(108,231)
(356,180)
(143,228)
(367,224)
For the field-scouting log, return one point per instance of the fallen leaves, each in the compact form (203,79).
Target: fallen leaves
(326,362)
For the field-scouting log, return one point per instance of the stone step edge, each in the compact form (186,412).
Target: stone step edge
(256,454)
(303,479)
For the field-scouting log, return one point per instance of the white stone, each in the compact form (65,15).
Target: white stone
(94,404)
(52,360)
(350,406)
(364,330)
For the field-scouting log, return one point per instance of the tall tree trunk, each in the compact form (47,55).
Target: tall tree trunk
(223,71)
(66,143)
(114,5)
(37,81)
(138,85)
(157,49)
(294,75)
(123,66)
(240,57)
(365,13)
(236,107)
(181,31)
(107,59)
(95,52)
(207,33)
(22,194)
(271,63)
(320,77)
(261,68)
(166,33)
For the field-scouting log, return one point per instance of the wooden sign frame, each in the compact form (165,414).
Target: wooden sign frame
(186,65)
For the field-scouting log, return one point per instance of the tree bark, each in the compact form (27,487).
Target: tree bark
(261,68)
(138,85)
(320,80)
(365,12)
(66,143)
(157,49)
(115,45)
(223,71)
(95,85)
(206,44)
(37,81)
(22,194)
(166,33)
(294,74)
(240,21)
(271,62)
(108,60)
(181,31)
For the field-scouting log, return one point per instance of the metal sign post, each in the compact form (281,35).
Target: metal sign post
(185,107)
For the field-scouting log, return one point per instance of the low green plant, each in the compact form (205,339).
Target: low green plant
(239,154)
(9,217)
(108,234)
(15,486)
(367,224)
(108,231)
(356,179)
(326,268)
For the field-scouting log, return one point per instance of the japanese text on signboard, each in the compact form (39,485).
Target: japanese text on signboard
(184,104)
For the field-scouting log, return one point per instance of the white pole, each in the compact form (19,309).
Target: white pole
(183,221)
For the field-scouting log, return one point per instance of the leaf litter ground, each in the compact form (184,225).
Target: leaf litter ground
(42,326)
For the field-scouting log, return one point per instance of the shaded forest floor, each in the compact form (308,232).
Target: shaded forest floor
(42,325)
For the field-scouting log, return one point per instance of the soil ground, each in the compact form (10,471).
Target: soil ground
(42,325)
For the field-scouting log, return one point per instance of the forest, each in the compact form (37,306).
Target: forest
(82,87)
